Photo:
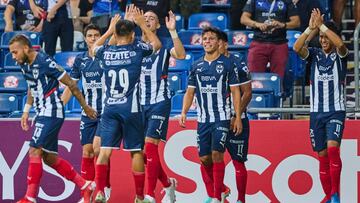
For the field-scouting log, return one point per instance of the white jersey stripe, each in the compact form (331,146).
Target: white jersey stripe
(220,99)
(326,96)
(202,107)
(59,108)
(316,90)
(311,98)
(153,78)
(336,87)
(134,104)
(210,106)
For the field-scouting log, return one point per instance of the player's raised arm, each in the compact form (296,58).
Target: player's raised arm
(140,21)
(178,51)
(333,37)
(300,46)
(101,41)
(77,94)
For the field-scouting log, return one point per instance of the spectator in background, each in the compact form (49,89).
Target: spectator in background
(103,10)
(270,19)
(58,23)
(306,7)
(24,18)
(338,10)
(81,11)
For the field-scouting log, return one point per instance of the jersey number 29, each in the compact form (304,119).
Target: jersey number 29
(123,75)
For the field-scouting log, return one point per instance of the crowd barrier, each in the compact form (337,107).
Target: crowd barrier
(282,166)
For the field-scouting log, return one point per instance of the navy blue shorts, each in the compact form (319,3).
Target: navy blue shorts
(156,119)
(324,127)
(238,146)
(212,137)
(88,129)
(118,124)
(46,133)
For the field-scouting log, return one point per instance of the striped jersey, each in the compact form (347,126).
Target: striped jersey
(87,69)
(42,78)
(154,86)
(327,81)
(243,75)
(122,68)
(212,81)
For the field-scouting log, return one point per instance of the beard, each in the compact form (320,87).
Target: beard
(24,60)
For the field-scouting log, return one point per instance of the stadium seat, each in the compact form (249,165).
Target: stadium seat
(33,36)
(2,22)
(292,36)
(12,82)
(191,40)
(175,80)
(8,104)
(180,22)
(220,4)
(10,64)
(66,59)
(240,39)
(265,83)
(262,100)
(201,20)
(176,105)
(75,107)
(181,65)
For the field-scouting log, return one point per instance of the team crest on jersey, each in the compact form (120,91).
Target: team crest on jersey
(333,56)
(35,73)
(219,68)
(281,5)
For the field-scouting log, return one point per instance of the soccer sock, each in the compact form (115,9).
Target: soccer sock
(139,179)
(34,175)
(164,178)
(152,167)
(325,179)
(108,175)
(87,168)
(219,172)
(335,168)
(207,176)
(65,169)
(100,176)
(241,179)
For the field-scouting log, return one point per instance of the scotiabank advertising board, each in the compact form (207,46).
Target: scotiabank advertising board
(282,166)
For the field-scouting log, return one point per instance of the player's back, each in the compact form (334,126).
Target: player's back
(122,68)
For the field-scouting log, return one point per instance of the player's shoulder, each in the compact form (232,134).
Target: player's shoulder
(198,62)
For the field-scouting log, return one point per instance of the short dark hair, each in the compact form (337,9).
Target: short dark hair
(22,39)
(91,27)
(211,29)
(223,36)
(124,27)
(333,27)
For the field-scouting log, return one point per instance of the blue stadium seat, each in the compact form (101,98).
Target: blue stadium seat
(12,82)
(240,39)
(292,36)
(32,110)
(66,59)
(175,81)
(8,104)
(180,22)
(10,64)
(201,20)
(265,83)
(176,105)
(181,65)
(191,39)
(2,22)
(33,36)
(216,4)
(262,100)
(75,107)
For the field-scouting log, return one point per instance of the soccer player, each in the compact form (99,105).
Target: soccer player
(42,75)
(87,69)
(327,102)
(238,145)
(121,118)
(210,78)
(156,104)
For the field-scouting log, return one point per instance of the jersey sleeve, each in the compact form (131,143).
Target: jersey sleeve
(233,76)
(53,69)
(310,55)
(243,73)
(249,6)
(192,78)
(99,51)
(146,49)
(75,69)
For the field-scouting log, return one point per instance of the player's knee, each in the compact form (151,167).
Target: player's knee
(88,151)
(322,153)
(206,160)
(35,152)
(152,140)
(49,158)
(333,143)
(217,156)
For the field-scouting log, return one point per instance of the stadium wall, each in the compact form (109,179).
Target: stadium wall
(282,166)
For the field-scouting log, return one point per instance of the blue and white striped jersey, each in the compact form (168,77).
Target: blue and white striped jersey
(243,75)
(154,86)
(327,81)
(88,70)
(42,78)
(122,68)
(212,81)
